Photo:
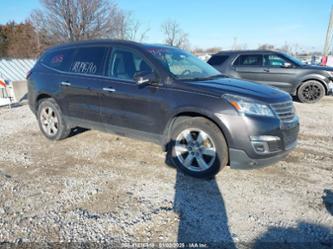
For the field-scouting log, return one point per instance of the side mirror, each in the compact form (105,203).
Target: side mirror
(287,65)
(145,78)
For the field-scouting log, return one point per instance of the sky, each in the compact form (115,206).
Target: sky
(220,23)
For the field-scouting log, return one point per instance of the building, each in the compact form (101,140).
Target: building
(13,87)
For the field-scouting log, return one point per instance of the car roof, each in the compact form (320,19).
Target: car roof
(106,42)
(231,52)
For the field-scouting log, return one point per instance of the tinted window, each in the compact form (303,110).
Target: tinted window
(89,60)
(182,65)
(59,60)
(124,64)
(292,59)
(217,60)
(249,60)
(273,60)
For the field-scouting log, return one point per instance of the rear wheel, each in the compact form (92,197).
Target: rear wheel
(198,147)
(311,91)
(50,120)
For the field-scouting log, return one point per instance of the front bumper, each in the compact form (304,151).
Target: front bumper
(257,141)
(240,160)
(274,151)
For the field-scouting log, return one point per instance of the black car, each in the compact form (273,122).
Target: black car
(309,83)
(166,95)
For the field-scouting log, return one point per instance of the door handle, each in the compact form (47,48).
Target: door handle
(64,83)
(266,70)
(108,89)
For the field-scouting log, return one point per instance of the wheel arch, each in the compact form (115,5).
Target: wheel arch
(315,78)
(63,128)
(40,97)
(190,114)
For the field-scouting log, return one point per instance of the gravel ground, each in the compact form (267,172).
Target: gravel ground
(98,187)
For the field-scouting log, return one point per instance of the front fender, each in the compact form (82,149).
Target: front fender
(315,76)
(192,112)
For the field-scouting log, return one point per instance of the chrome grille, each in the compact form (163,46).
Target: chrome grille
(284,110)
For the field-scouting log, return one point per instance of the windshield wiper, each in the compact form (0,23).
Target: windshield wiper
(206,78)
(216,76)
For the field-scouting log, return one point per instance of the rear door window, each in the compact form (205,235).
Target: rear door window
(89,60)
(249,60)
(60,60)
(217,60)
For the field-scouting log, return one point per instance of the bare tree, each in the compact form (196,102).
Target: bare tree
(213,50)
(286,48)
(266,46)
(198,50)
(130,28)
(293,49)
(135,30)
(238,46)
(174,35)
(72,20)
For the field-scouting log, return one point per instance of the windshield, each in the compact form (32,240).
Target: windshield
(293,59)
(183,65)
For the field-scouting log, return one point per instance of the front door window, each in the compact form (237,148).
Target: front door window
(125,64)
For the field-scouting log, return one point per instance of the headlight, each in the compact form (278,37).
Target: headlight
(249,106)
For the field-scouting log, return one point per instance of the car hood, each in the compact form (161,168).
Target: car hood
(317,67)
(239,87)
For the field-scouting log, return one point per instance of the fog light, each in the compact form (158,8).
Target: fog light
(261,143)
(265,138)
(260,147)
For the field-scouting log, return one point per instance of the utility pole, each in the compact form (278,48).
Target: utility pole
(329,36)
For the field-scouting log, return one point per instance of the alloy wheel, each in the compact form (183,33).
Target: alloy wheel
(49,121)
(311,92)
(195,149)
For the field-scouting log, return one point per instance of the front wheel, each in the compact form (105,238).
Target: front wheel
(198,147)
(311,91)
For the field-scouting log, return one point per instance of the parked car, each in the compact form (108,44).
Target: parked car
(166,95)
(308,82)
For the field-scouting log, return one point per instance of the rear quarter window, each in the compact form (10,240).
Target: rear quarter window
(59,60)
(217,60)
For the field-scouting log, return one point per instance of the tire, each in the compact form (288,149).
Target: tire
(310,92)
(50,120)
(190,151)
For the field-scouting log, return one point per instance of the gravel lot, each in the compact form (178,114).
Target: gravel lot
(98,187)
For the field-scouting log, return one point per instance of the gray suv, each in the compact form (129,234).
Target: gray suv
(165,95)
(308,83)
